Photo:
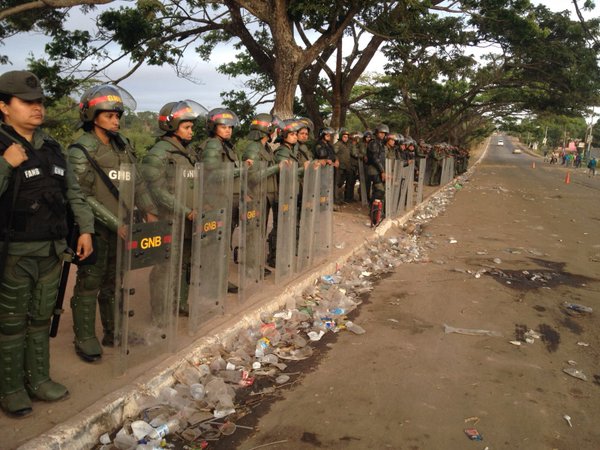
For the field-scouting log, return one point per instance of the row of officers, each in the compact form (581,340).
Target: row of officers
(43,189)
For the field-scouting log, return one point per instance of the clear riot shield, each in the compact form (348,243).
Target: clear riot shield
(211,242)
(410,184)
(389,188)
(403,188)
(308,215)
(324,227)
(444,175)
(363,182)
(422,173)
(147,278)
(285,254)
(451,168)
(397,186)
(253,199)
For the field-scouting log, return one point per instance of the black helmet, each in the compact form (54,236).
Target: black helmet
(367,133)
(343,131)
(221,116)
(326,130)
(173,113)
(382,127)
(106,97)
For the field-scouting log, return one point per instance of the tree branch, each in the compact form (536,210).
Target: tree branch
(8,12)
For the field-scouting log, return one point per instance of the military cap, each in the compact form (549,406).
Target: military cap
(21,84)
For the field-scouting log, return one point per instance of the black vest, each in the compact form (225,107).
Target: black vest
(40,210)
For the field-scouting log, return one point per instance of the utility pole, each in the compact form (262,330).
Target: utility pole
(589,139)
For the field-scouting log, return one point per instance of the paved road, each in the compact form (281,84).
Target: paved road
(405,384)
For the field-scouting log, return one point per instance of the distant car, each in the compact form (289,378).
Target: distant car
(517,151)
(500,142)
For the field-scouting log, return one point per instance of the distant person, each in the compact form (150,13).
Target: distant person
(592,167)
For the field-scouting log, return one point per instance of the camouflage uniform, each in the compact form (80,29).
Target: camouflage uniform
(159,169)
(345,173)
(31,271)
(96,283)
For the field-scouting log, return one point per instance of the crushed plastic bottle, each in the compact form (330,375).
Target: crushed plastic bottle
(354,328)
(169,427)
(578,308)
(197,391)
(576,373)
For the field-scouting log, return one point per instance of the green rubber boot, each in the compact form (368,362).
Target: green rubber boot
(84,326)
(107,317)
(37,367)
(13,397)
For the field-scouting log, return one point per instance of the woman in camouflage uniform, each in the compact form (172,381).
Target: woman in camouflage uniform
(101,144)
(36,184)
(159,169)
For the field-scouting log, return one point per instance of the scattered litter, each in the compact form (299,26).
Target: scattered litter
(471,332)
(583,344)
(473,419)
(568,419)
(340,245)
(572,362)
(282,379)
(576,373)
(452,241)
(582,309)
(533,334)
(497,261)
(252,362)
(356,329)
(393,320)
(473,434)
(517,343)
(314,336)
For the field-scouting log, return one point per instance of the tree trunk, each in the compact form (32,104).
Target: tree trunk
(336,87)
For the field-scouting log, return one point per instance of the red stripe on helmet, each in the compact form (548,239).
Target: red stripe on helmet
(105,98)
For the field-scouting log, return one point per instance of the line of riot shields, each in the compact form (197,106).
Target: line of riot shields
(202,246)
(405,179)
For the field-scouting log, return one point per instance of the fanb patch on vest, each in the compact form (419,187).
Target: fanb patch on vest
(150,244)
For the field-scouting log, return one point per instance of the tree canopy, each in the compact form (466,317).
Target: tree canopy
(453,68)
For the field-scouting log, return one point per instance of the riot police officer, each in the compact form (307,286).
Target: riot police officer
(261,130)
(217,150)
(36,184)
(436,156)
(159,165)
(376,153)
(345,173)
(96,158)
(324,147)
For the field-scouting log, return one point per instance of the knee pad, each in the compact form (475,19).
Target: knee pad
(89,279)
(44,297)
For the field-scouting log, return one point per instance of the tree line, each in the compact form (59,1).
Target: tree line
(455,71)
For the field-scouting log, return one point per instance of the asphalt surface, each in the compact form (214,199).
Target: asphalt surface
(526,243)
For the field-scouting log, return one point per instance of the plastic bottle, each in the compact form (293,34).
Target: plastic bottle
(197,391)
(171,426)
(356,329)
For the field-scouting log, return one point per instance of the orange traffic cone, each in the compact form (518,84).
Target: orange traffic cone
(568,178)
(533,165)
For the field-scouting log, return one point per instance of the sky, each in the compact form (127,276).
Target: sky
(154,86)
